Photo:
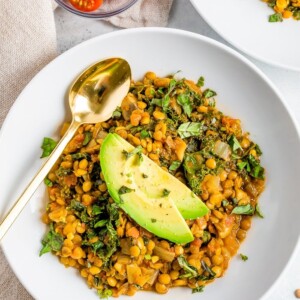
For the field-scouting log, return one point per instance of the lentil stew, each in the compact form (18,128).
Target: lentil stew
(175,123)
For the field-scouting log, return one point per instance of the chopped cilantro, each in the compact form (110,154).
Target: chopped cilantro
(243,257)
(208,93)
(144,133)
(101,223)
(166,192)
(185,102)
(47,146)
(208,269)
(138,150)
(189,271)
(206,237)
(243,210)
(125,190)
(200,81)
(225,203)
(198,289)
(174,165)
(277,17)
(48,182)
(258,211)
(87,138)
(105,293)
(234,143)
(188,129)
(117,113)
(53,241)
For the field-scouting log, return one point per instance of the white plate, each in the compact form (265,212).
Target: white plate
(243,92)
(245,25)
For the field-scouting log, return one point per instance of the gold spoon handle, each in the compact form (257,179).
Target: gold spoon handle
(36,181)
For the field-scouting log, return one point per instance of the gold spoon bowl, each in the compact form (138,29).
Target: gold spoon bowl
(93,97)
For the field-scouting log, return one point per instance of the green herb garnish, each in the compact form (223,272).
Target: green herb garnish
(277,17)
(124,190)
(144,134)
(243,210)
(234,143)
(175,165)
(258,211)
(48,146)
(243,257)
(189,271)
(105,293)
(198,289)
(185,102)
(200,81)
(208,269)
(165,193)
(188,129)
(117,113)
(53,241)
(208,93)
(48,182)
(87,138)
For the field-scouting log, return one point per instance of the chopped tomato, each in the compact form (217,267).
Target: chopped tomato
(86,5)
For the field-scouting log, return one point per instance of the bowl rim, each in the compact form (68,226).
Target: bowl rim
(184,33)
(94,15)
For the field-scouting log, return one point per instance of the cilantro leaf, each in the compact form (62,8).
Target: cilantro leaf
(175,165)
(185,102)
(101,223)
(258,211)
(105,293)
(87,138)
(144,134)
(53,241)
(243,210)
(48,182)
(234,143)
(124,190)
(200,81)
(166,193)
(208,93)
(243,257)
(47,146)
(198,289)
(138,150)
(207,269)
(190,271)
(188,129)
(277,17)
(117,113)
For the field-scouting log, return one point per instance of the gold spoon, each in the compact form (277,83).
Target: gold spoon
(93,97)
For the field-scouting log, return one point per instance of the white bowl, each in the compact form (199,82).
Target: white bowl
(245,25)
(243,92)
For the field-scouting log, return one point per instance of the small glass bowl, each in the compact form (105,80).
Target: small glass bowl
(107,9)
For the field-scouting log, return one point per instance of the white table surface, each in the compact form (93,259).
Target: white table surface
(72,30)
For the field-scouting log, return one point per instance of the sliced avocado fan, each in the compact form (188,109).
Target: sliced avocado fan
(155,199)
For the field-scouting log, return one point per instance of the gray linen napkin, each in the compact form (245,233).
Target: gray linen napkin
(27,43)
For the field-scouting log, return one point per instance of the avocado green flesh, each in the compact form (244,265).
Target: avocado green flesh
(189,205)
(153,211)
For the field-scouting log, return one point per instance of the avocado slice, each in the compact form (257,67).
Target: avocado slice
(127,185)
(188,203)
